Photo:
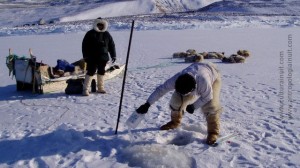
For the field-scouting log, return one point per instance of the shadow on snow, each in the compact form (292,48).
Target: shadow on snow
(62,142)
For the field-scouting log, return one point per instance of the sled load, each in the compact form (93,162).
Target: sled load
(192,56)
(42,78)
(189,56)
(239,57)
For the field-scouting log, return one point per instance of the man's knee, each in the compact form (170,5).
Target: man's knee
(90,73)
(101,71)
(175,102)
(212,108)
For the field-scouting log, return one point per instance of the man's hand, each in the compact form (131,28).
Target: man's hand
(113,60)
(143,109)
(190,108)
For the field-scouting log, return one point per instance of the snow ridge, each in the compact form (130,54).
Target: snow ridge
(174,21)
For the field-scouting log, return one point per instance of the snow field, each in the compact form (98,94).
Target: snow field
(57,130)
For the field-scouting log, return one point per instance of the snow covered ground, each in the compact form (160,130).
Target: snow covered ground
(260,97)
(58,130)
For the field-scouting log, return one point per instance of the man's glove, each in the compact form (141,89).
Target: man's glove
(190,108)
(143,109)
(113,60)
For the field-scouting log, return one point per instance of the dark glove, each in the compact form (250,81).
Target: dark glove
(113,60)
(190,108)
(143,109)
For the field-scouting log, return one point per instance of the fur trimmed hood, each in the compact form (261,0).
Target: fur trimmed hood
(100,20)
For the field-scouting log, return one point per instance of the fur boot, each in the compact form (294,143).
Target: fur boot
(100,83)
(213,128)
(176,117)
(87,85)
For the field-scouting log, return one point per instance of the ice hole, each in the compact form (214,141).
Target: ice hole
(181,140)
(155,155)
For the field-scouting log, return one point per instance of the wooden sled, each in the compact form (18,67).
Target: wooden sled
(41,78)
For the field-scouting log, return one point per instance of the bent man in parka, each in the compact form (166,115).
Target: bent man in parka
(197,86)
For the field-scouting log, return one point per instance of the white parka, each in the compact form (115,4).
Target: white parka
(204,73)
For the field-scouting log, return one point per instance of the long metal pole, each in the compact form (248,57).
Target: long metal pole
(124,78)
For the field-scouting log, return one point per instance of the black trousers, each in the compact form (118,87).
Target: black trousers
(93,66)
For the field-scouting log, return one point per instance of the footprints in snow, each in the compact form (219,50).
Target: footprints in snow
(242,98)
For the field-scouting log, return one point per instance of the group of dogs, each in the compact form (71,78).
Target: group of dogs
(192,56)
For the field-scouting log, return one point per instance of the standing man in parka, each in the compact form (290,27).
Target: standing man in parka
(197,86)
(97,45)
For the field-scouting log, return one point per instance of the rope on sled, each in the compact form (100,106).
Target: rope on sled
(10,60)
(10,63)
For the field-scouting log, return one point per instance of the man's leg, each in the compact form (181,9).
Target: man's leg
(100,76)
(212,111)
(178,104)
(213,128)
(91,69)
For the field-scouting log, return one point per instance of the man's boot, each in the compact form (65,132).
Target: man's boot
(213,128)
(100,83)
(176,117)
(87,85)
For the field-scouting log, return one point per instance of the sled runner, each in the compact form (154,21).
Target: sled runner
(42,78)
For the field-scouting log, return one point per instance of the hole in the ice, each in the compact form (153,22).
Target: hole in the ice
(181,140)
(155,155)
